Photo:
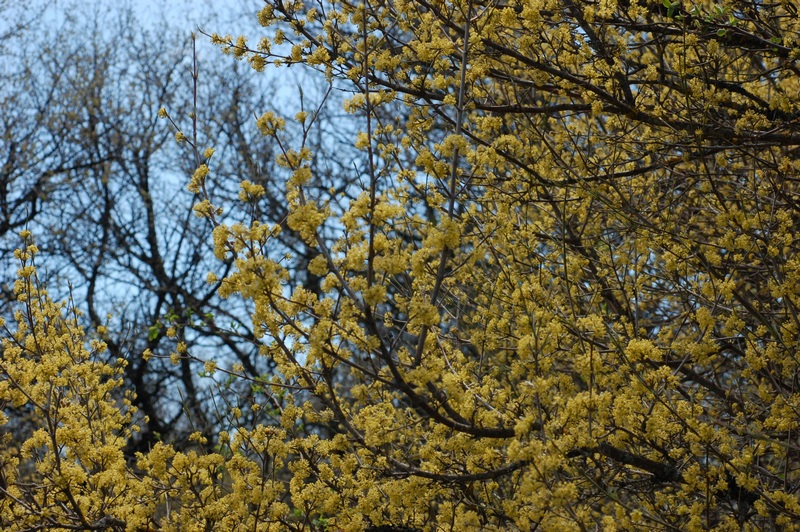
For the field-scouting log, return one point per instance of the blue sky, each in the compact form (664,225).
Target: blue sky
(221,16)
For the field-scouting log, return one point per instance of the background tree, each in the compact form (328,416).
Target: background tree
(36,155)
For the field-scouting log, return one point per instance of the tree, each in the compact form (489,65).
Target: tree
(95,175)
(564,299)
(36,153)
(596,327)
(72,472)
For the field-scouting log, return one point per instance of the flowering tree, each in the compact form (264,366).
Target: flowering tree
(72,473)
(566,295)
(98,179)
(565,298)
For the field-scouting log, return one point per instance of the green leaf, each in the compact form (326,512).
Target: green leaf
(152,332)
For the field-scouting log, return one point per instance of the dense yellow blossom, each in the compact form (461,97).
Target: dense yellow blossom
(72,472)
(565,299)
